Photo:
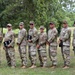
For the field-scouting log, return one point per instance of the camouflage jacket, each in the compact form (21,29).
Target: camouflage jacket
(73,41)
(33,32)
(52,37)
(65,36)
(1,37)
(22,37)
(42,39)
(10,36)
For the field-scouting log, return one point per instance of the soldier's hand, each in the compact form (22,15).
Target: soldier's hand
(1,37)
(18,44)
(8,46)
(30,41)
(38,46)
(59,41)
(48,43)
(4,48)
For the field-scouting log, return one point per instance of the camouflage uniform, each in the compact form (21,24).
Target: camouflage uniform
(65,37)
(73,42)
(52,39)
(42,38)
(32,45)
(1,38)
(10,52)
(22,35)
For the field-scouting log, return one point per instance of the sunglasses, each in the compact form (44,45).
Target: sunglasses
(51,24)
(21,25)
(41,29)
(8,26)
(64,23)
(31,24)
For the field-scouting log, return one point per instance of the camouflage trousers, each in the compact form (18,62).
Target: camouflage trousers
(32,54)
(10,56)
(66,55)
(42,57)
(0,53)
(23,55)
(53,54)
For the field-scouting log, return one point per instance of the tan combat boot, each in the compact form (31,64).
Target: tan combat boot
(33,66)
(12,67)
(23,67)
(65,67)
(53,66)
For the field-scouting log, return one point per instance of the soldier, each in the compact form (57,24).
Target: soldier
(9,46)
(21,42)
(65,36)
(1,38)
(41,46)
(73,42)
(52,41)
(32,41)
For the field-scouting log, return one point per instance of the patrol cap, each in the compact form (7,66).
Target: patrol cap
(51,23)
(65,22)
(21,23)
(9,25)
(31,22)
(42,27)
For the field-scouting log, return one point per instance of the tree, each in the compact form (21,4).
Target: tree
(41,11)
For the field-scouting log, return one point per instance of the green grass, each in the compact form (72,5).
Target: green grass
(5,70)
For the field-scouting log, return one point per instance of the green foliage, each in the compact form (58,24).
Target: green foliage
(41,11)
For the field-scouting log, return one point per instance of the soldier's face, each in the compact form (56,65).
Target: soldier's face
(52,26)
(21,26)
(41,30)
(9,28)
(64,25)
(31,26)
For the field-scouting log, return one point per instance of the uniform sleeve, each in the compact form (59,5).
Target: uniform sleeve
(38,38)
(53,36)
(13,39)
(1,36)
(73,38)
(35,36)
(44,40)
(60,37)
(22,35)
(67,35)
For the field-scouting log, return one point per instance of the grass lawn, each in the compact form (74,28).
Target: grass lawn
(5,70)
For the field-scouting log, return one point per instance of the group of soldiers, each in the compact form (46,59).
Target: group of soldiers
(37,42)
